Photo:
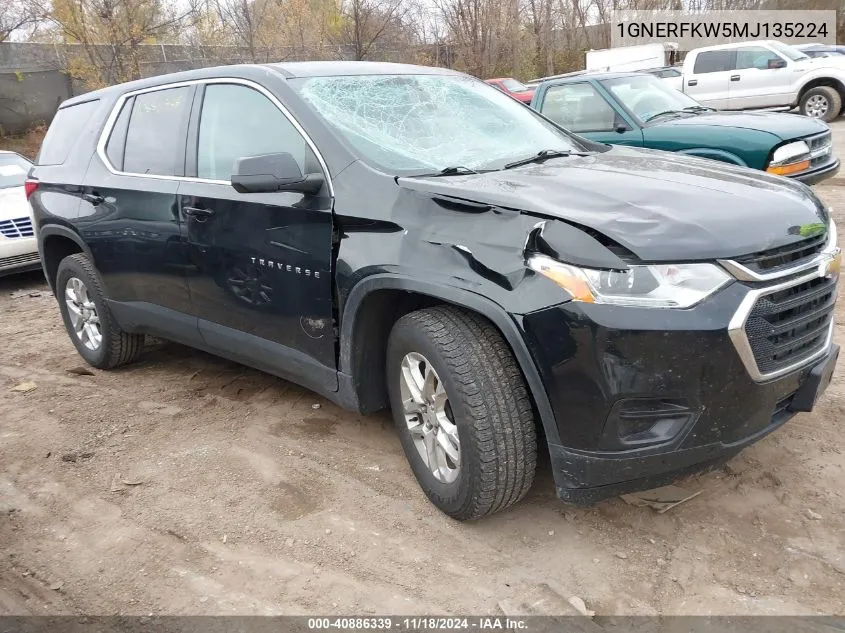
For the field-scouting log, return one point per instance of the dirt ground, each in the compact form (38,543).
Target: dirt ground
(186,484)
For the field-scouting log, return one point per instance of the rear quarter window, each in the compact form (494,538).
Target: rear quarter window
(64,131)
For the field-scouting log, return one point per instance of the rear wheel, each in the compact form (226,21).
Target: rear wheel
(463,411)
(821,102)
(82,302)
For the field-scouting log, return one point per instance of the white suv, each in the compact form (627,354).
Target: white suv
(18,246)
(765,74)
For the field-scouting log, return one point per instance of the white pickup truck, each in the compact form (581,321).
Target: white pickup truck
(765,74)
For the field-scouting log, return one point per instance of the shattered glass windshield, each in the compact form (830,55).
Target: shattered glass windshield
(425,123)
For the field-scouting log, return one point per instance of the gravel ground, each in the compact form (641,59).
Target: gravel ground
(186,484)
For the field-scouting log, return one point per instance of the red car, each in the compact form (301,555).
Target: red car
(514,88)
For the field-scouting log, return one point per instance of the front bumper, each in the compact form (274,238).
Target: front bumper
(18,255)
(815,176)
(603,366)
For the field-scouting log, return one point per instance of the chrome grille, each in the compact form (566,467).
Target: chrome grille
(821,149)
(791,325)
(784,256)
(819,141)
(19,227)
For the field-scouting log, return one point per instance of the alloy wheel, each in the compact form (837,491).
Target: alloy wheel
(83,314)
(816,106)
(429,417)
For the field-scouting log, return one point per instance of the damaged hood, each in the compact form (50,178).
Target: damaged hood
(660,206)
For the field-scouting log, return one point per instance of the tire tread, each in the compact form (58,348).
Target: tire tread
(493,389)
(122,347)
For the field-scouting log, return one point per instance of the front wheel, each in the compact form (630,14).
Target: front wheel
(463,411)
(821,102)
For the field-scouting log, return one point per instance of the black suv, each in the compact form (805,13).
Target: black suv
(391,235)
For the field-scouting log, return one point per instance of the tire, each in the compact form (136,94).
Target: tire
(487,404)
(115,347)
(821,102)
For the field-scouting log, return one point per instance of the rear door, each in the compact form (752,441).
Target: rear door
(710,83)
(129,211)
(261,278)
(581,108)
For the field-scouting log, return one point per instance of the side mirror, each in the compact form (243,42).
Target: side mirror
(272,172)
(621,128)
(776,63)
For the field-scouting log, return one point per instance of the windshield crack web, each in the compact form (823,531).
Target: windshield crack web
(429,121)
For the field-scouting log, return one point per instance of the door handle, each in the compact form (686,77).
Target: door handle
(734,77)
(93,198)
(692,82)
(200,215)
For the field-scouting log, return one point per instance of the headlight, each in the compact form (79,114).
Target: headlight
(790,159)
(655,286)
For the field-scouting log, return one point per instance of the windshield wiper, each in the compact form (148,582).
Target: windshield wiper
(664,113)
(456,170)
(699,108)
(544,155)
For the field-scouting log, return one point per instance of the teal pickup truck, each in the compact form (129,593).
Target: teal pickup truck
(640,110)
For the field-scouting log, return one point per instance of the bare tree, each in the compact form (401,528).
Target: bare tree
(244,20)
(367,23)
(16,15)
(111,34)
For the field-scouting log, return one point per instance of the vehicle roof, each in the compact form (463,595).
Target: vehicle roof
(499,78)
(595,75)
(818,46)
(289,70)
(717,47)
(6,151)
(328,69)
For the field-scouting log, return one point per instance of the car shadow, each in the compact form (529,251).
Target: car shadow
(33,280)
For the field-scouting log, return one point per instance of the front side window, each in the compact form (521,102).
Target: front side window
(238,122)
(646,96)
(155,132)
(579,107)
(408,123)
(13,170)
(756,57)
(714,61)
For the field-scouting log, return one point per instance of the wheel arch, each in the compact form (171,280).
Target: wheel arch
(831,82)
(377,302)
(55,242)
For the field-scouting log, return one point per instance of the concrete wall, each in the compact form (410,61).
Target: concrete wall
(34,81)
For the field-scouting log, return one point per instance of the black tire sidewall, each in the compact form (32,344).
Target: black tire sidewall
(452,497)
(68,268)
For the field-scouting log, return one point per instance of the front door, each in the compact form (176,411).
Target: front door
(261,277)
(757,83)
(581,108)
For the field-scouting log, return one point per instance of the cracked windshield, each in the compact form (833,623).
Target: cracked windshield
(425,123)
